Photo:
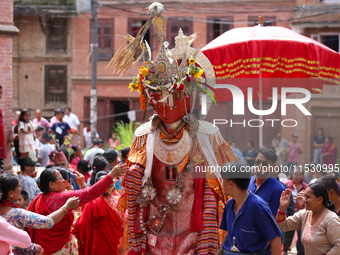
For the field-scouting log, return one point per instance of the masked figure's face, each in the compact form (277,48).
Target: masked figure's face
(169,116)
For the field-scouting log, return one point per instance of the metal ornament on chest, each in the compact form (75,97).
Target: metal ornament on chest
(174,197)
(171,154)
(170,173)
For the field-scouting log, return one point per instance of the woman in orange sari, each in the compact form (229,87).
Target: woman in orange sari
(328,152)
(100,227)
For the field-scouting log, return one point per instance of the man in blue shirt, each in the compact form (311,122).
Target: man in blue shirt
(60,128)
(246,217)
(264,185)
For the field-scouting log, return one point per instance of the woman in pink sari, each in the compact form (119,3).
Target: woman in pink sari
(328,152)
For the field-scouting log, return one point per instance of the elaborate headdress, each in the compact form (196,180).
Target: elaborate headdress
(165,76)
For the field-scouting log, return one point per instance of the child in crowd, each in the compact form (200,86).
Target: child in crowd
(44,150)
(123,154)
(51,156)
(78,154)
(37,142)
(99,163)
(22,201)
(60,128)
(25,129)
(84,167)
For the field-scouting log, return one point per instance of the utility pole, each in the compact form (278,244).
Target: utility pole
(94,47)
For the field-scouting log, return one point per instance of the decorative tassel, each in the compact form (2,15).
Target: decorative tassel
(126,55)
(139,142)
(171,100)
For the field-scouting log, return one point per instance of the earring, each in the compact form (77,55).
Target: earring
(318,202)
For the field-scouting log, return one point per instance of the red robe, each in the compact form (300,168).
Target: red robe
(54,239)
(98,230)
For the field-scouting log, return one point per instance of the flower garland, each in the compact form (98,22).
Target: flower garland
(143,72)
(142,101)
(178,84)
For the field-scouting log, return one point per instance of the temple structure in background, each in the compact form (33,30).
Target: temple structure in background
(7,31)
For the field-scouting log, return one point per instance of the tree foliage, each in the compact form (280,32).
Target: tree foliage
(125,133)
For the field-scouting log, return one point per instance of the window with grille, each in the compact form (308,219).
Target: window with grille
(105,39)
(56,34)
(217,26)
(173,26)
(267,21)
(55,84)
(329,1)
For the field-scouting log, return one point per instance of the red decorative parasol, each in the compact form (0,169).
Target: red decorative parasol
(273,57)
(278,53)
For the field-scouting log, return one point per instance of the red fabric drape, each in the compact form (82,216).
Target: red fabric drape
(54,239)
(196,224)
(98,230)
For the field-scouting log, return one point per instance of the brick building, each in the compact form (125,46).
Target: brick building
(117,19)
(62,76)
(320,21)
(42,59)
(7,31)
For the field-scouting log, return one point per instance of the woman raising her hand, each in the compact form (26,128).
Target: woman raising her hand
(59,239)
(319,223)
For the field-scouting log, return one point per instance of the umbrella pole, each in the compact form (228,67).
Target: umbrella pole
(260,106)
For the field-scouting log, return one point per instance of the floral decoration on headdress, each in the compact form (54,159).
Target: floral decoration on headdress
(163,75)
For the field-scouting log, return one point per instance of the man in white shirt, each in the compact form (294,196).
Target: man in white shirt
(72,120)
(87,135)
(95,150)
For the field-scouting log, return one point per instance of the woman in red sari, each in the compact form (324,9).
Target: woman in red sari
(100,227)
(328,152)
(59,240)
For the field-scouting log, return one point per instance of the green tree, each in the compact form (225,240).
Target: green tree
(125,133)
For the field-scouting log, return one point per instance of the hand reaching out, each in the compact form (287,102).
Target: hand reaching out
(119,170)
(40,250)
(71,203)
(285,199)
(69,186)
(80,179)
(301,199)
